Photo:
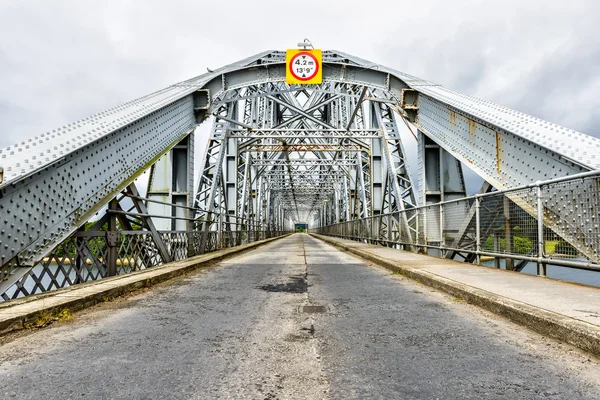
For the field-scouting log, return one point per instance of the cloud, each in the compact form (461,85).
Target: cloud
(64,60)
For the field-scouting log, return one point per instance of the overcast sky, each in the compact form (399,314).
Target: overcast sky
(64,60)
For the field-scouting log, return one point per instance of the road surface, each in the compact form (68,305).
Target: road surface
(293,319)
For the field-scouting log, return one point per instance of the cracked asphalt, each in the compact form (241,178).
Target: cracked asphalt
(293,319)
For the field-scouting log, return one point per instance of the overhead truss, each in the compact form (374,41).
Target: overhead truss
(279,153)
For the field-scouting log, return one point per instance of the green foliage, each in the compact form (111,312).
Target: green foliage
(521,243)
(488,245)
(68,248)
(300,229)
(563,247)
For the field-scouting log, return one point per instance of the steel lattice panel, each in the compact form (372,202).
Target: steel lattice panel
(40,211)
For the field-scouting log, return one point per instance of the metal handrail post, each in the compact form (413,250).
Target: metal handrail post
(417,231)
(478,229)
(541,267)
(220,233)
(112,240)
(442,244)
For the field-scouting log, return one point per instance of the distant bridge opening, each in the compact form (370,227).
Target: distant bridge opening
(299,227)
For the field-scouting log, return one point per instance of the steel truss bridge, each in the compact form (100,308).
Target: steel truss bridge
(330,155)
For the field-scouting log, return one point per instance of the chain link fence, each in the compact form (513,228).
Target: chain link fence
(554,222)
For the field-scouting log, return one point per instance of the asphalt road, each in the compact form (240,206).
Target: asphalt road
(241,330)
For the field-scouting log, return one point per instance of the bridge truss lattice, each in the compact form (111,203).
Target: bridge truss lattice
(276,154)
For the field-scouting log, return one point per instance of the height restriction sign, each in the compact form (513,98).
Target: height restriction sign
(304,66)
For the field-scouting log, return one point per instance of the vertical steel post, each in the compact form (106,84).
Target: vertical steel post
(477,230)
(112,239)
(442,244)
(390,235)
(496,250)
(417,249)
(541,267)
(246,227)
(220,232)
(424,230)
(508,240)
(79,258)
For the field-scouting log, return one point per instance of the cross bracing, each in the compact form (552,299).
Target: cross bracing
(303,133)
(331,152)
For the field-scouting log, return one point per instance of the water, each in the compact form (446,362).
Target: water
(590,278)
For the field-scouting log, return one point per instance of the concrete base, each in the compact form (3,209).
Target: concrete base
(557,309)
(20,313)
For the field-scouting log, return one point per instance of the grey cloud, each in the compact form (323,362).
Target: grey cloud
(64,60)
(550,90)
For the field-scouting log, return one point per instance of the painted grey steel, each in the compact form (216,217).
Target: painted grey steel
(17,161)
(540,216)
(440,179)
(171,184)
(300,158)
(280,127)
(303,133)
(45,205)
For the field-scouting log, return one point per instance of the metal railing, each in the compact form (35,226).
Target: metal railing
(553,222)
(85,256)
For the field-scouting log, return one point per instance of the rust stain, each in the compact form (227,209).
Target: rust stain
(472,127)
(452,116)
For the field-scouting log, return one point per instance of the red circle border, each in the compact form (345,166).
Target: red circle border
(311,56)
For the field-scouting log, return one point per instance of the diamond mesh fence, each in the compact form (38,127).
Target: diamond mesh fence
(84,256)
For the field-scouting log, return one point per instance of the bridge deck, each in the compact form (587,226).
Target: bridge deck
(579,302)
(242,330)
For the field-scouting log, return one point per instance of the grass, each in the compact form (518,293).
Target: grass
(64,316)
(44,318)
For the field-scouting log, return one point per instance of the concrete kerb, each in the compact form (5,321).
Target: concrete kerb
(20,313)
(566,329)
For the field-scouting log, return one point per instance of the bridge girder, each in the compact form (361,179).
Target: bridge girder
(96,158)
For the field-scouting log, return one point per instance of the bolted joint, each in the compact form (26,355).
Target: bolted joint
(410,104)
(112,239)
